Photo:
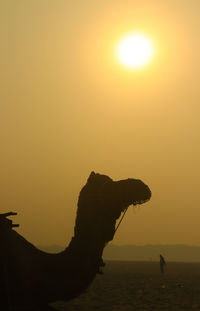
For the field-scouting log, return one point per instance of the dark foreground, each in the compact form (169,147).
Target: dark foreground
(133,286)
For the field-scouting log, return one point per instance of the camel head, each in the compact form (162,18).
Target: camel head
(101,202)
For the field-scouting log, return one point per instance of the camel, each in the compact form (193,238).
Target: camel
(31,279)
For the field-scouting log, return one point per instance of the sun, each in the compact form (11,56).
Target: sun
(135,51)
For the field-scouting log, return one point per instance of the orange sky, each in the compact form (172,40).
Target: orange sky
(68,107)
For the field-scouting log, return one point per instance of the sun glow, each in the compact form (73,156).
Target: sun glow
(134,51)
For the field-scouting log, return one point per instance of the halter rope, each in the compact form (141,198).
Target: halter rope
(121,219)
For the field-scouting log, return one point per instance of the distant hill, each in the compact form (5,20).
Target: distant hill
(184,253)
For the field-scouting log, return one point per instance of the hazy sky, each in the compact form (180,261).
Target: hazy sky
(68,107)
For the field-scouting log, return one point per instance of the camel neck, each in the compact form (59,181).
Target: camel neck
(87,250)
(86,245)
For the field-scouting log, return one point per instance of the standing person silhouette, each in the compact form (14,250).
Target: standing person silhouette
(162,263)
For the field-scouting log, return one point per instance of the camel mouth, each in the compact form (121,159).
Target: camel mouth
(138,202)
(145,198)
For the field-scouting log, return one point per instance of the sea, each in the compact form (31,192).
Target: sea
(140,286)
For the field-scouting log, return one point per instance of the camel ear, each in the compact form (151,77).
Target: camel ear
(91,177)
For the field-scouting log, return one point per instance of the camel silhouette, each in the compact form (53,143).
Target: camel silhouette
(30,279)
